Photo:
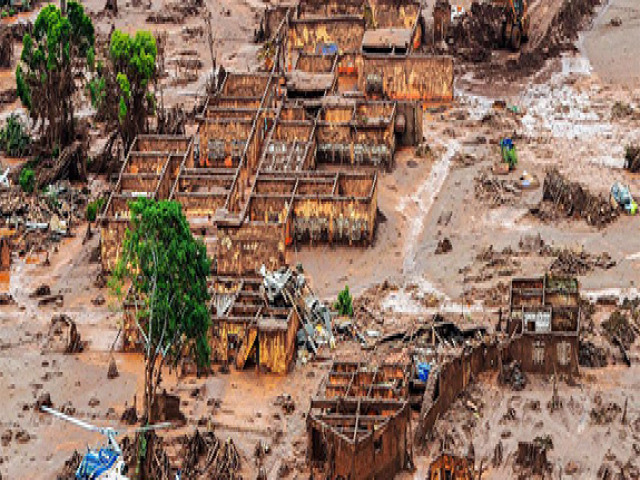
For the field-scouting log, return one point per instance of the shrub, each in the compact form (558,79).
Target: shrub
(344,304)
(93,208)
(14,138)
(27,180)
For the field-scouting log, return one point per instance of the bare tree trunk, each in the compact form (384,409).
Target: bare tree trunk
(148,390)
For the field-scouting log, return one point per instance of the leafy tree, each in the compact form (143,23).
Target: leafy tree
(167,269)
(93,208)
(344,304)
(59,48)
(27,180)
(14,138)
(122,91)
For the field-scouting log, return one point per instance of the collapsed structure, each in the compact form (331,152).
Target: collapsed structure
(360,427)
(545,323)
(290,156)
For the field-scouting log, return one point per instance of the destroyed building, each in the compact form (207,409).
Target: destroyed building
(248,329)
(359,426)
(287,157)
(545,324)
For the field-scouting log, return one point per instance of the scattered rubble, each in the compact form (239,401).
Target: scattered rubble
(562,197)
(617,326)
(201,456)
(512,375)
(68,472)
(573,263)
(477,33)
(444,246)
(63,336)
(112,372)
(496,191)
(592,356)
(632,158)
(533,455)
(604,413)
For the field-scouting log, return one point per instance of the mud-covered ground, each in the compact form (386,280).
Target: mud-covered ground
(563,116)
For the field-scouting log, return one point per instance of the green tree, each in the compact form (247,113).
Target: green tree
(167,269)
(27,180)
(344,304)
(93,208)
(122,91)
(58,49)
(14,138)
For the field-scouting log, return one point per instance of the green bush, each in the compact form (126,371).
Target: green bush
(344,304)
(93,208)
(14,138)
(27,180)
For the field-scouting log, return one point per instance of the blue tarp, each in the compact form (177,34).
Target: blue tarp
(95,463)
(423,371)
(327,49)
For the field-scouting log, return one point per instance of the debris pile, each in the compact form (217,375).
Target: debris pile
(559,35)
(563,197)
(176,12)
(604,413)
(496,191)
(205,456)
(63,336)
(617,326)
(444,246)
(572,263)
(41,219)
(477,33)
(512,375)
(70,164)
(533,455)
(632,158)
(68,472)
(287,287)
(589,355)
(201,456)
(6,46)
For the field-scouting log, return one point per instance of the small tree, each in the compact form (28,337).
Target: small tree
(93,208)
(59,48)
(167,269)
(14,138)
(27,180)
(121,91)
(344,304)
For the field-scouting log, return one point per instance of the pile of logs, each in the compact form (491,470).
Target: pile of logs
(573,200)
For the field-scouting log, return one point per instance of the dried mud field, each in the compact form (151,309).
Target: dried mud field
(450,236)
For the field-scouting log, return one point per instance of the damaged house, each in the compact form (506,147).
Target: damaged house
(286,157)
(359,427)
(545,323)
